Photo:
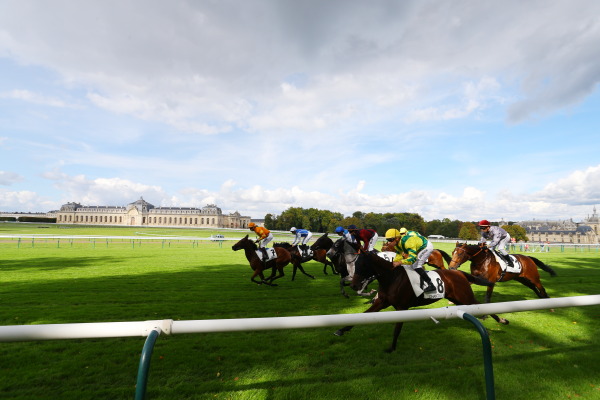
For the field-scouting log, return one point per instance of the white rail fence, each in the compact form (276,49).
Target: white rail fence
(151,329)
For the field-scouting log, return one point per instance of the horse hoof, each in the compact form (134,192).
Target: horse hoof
(339,332)
(504,321)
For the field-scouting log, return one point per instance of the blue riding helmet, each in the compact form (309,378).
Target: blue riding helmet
(339,229)
(352,227)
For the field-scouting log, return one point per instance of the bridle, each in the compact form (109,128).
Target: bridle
(462,251)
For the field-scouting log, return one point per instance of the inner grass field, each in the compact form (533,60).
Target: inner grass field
(539,355)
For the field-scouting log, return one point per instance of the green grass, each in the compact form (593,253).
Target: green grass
(540,355)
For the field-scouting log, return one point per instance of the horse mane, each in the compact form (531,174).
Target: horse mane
(284,245)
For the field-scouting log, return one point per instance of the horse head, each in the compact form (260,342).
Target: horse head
(243,243)
(363,272)
(324,242)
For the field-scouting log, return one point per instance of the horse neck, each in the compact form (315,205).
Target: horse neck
(250,252)
(385,274)
(480,256)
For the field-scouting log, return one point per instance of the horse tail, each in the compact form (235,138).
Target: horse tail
(476,279)
(543,266)
(446,256)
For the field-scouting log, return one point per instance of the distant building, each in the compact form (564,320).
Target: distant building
(566,231)
(142,213)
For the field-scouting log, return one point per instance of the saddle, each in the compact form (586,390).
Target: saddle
(415,281)
(515,269)
(271,254)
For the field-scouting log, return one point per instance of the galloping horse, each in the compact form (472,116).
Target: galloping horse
(345,257)
(395,289)
(484,264)
(320,248)
(436,259)
(297,258)
(277,264)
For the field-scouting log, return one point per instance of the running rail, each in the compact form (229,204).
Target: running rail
(152,329)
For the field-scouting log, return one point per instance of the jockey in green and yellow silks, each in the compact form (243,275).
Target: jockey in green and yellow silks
(417,250)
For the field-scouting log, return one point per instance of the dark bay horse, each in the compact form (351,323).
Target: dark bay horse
(395,289)
(276,265)
(436,259)
(320,248)
(297,258)
(484,264)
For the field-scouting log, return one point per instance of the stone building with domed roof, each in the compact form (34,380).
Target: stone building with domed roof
(142,213)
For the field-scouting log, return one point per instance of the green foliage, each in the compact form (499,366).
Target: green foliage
(516,232)
(469,231)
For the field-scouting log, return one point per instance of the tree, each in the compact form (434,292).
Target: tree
(516,232)
(468,231)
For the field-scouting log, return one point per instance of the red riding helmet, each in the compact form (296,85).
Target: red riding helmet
(484,222)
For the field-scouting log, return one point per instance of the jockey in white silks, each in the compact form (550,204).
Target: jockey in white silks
(498,237)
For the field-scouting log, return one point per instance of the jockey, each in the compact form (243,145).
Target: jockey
(301,239)
(367,236)
(345,233)
(498,237)
(263,237)
(418,249)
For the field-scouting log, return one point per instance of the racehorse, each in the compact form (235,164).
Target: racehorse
(436,259)
(396,290)
(484,264)
(345,257)
(276,265)
(320,248)
(296,259)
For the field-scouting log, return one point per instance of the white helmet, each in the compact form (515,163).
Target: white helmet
(292,229)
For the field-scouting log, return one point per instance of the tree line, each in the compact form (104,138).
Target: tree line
(317,220)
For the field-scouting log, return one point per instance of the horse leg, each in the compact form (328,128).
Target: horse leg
(342,284)
(397,330)
(281,274)
(303,271)
(488,294)
(538,289)
(260,274)
(378,305)
(294,271)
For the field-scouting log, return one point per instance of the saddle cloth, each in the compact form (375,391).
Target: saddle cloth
(309,253)
(387,255)
(437,281)
(271,254)
(516,269)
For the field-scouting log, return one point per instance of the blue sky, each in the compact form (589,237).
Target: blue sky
(462,110)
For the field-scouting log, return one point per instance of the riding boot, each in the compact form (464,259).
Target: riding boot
(265,256)
(425,279)
(508,260)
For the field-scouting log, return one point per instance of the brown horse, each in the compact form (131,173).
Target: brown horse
(276,265)
(436,259)
(396,290)
(484,264)
(297,258)
(320,248)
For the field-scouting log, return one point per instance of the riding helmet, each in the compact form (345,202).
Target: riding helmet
(352,227)
(392,233)
(292,229)
(403,231)
(484,222)
(251,225)
(339,229)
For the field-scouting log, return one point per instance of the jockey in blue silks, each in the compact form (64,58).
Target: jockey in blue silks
(301,239)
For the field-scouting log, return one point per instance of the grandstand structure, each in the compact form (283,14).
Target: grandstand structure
(142,213)
(565,231)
